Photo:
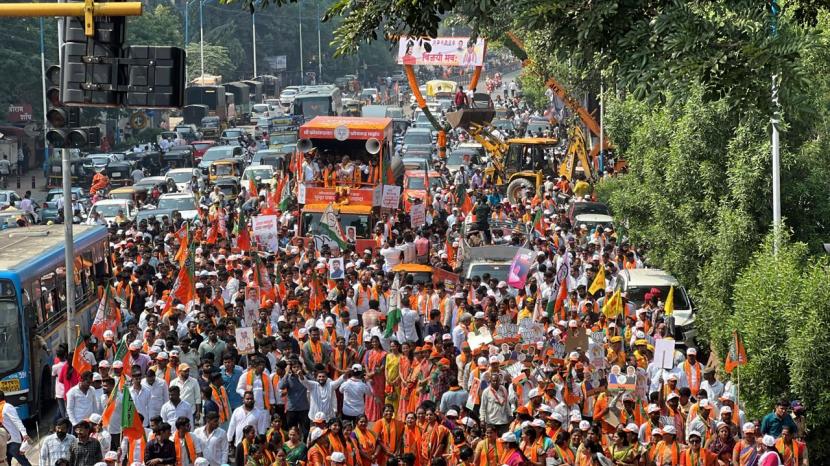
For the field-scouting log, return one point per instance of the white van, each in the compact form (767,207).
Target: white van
(635,283)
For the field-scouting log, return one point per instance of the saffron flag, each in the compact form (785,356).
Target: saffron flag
(79,363)
(243,236)
(737,353)
(561,296)
(107,316)
(284,193)
(184,287)
(183,235)
(122,353)
(599,281)
(467,205)
(112,402)
(131,424)
(669,305)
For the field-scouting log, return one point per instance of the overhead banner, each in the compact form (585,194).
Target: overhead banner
(441,51)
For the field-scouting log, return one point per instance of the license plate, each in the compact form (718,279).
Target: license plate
(12,385)
(116,175)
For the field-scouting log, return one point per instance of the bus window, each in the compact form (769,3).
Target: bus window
(37,301)
(10,330)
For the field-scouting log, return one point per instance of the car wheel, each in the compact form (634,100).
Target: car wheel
(515,188)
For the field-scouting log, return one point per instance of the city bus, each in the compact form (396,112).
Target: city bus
(366,141)
(314,101)
(33,304)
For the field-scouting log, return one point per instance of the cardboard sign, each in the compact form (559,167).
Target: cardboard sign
(531,331)
(596,354)
(336,270)
(577,340)
(622,380)
(520,268)
(391,196)
(245,340)
(265,231)
(505,326)
(301,193)
(664,353)
(377,195)
(417,215)
(479,338)
(251,308)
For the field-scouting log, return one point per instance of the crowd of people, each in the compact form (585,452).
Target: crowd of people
(229,353)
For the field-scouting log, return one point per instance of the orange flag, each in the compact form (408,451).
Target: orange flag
(79,363)
(737,353)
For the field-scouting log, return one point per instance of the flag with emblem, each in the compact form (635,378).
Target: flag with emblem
(599,281)
(131,425)
(79,363)
(107,315)
(330,227)
(243,236)
(122,352)
(538,223)
(284,195)
(737,353)
(183,236)
(613,306)
(112,402)
(392,321)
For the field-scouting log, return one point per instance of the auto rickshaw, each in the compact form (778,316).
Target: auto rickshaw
(229,187)
(179,157)
(225,168)
(137,194)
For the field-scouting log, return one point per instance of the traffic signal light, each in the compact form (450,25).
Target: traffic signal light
(99,71)
(59,117)
(87,136)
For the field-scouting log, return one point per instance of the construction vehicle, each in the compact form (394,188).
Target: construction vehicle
(520,164)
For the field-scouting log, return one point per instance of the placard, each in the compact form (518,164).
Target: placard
(506,327)
(577,338)
(520,268)
(265,231)
(336,270)
(251,308)
(479,338)
(441,51)
(377,195)
(531,331)
(301,193)
(245,340)
(391,196)
(417,215)
(664,353)
(622,380)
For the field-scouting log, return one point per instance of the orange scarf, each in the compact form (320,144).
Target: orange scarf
(316,351)
(131,451)
(675,453)
(250,383)
(694,387)
(221,398)
(188,441)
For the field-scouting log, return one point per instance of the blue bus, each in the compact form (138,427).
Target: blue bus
(33,304)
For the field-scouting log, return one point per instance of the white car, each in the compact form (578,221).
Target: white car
(287,96)
(259,111)
(108,208)
(182,176)
(185,203)
(635,283)
(258,173)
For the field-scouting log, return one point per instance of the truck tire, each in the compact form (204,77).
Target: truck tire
(515,188)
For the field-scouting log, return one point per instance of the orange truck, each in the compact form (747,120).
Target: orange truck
(353,185)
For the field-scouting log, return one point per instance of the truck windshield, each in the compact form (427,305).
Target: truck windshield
(310,107)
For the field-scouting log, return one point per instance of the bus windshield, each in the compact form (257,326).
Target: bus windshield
(10,336)
(310,107)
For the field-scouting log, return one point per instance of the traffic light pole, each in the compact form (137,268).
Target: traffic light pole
(69,243)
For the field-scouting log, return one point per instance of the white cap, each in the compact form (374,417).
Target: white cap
(725,409)
(534,392)
(319,417)
(538,423)
(108,335)
(481,361)
(768,440)
(494,360)
(95,418)
(201,462)
(104,363)
(704,403)
(672,396)
(748,427)
(559,417)
(672,377)
(631,427)
(452,413)
(469,422)
(200,285)
(96,377)
(117,365)
(508,437)
(653,408)
(584,425)
(338,457)
(135,345)
(357,368)
(111,456)
(691,352)
(545,408)
(669,430)
(315,433)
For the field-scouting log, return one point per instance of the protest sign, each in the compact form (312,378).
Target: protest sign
(391,196)
(664,353)
(619,380)
(479,338)
(245,340)
(520,267)
(417,215)
(265,231)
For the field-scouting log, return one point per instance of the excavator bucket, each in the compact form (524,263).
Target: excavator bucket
(479,113)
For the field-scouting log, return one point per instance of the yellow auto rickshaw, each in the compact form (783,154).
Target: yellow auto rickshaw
(226,168)
(137,194)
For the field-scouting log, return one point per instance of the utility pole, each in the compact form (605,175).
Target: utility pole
(300,22)
(253,36)
(775,9)
(319,47)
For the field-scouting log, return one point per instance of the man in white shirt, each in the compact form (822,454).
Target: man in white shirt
(247,415)
(158,392)
(407,329)
(214,440)
(257,380)
(140,396)
(81,401)
(321,396)
(355,390)
(17,431)
(176,407)
(189,389)
(56,446)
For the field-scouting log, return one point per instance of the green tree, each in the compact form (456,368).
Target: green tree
(160,26)
(217,61)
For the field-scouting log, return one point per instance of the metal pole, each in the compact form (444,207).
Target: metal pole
(186,33)
(69,249)
(319,47)
(253,35)
(43,83)
(601,129)
(776,168)
(202,40)
(300,22)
